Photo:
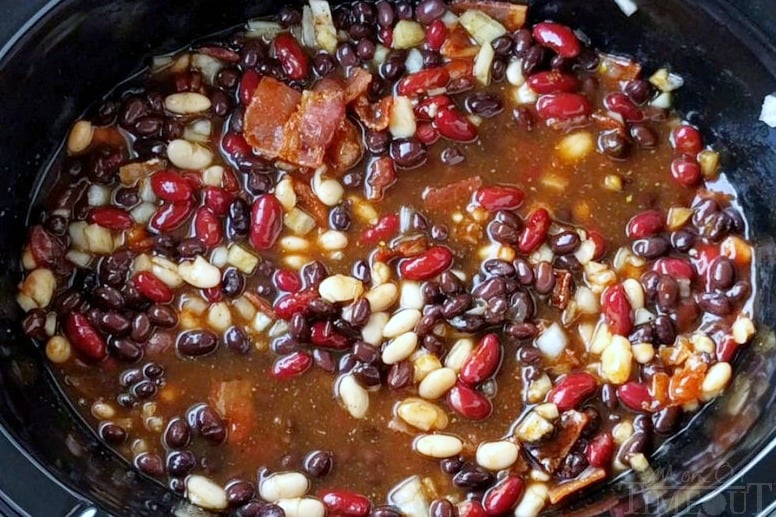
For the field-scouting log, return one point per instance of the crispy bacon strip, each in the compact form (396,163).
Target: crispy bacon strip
(585,479)
(309,202)
(458,44)
(234,401)
(272,105)
(551,453)
(511,16)
(452,195)
(310,130)
(356,84)
(346,149)
(375,116)
(380,174)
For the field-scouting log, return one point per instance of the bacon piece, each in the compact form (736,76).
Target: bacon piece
(451,195)
(310,130)
(272,105)
(460,67)
(380,175)
(375,116)
(356,84)
(309,202)
(586,478)
(512,16)
(346,149)
(458,44)
(234,402)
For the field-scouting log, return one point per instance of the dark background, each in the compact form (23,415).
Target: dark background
(26,491)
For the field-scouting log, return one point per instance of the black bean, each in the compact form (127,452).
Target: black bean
(567,262)
(125,349)
(593,422)
(460,85)
(533,60)
(434,345)
(400,375)
(146,149)
(346,55)
(367,375)
(318,463)
(722,273)
(283,345)
(442,508)
(238,219)
(324,360)
(232,283)
(503,233)
(524,118)
(391,70)
(236,339)
(484,104)
(322,308)
(643,424)
(650,247)
(715,303)
(288,16)
(149,126)
(144,390)
(667,292)
(227,78)
(210,425)
(313,273)
(106,113)
(239,492)
(197,342)
(718,226)
(408,152)
(643,136)
(114,323)
(609,396)
(644,333)
(572,465)
(108,297)
(361,312)
(113,434)
(558,62)
(651,369)
(524,330)
(385,510)
(346,363)
(613,144)
(637,443)
(498,267)
(564,242)
(153,370)
(456,305)
(522,42)
(177,434)
(489,288)
(737,223)
(503,45)
(377,142)
(703,211)
(472,477)
(162,316)
(365,49)
(180,463)
(384,13)
(141,328)
(132,109)
(429,10)
(150,464)
(451,156)
(432,58)
(339,217)
(666,420)
(682,240)
(34,325)
(544,278)
(639,90)
(365,352)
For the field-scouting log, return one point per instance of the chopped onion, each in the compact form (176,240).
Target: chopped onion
(626,6)
(402,121)
(414,61)
(407,34)
(98,195)
(664,101)
(308,28)
(405,219)
(449,19)
(482,27)
(483,62)
(209,66)
(260,28)
(665,81)
(143,212)
(524,94)
(160,63)
(552,342)
(323,23)
(198,131)
(381,53)
(768,113)
(409,498)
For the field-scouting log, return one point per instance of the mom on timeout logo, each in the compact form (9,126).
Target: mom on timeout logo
(667,492)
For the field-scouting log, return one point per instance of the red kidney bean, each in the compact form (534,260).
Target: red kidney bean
(503,496)
(685,170)
(287,305)
(292,58)
(385,228)
(111,217)
(553,82)
(266,221)
(427,109)
(436,33)
(686,139)
(170,186)
(84,338)
(45,248)
(483,362)
(345,503)
(153,288)
(572,390)
(423,81)
(287,281)
(645,224)
(426,133)
(207,227)
(248,84)
(170,216)
(620,103)
(499,197)
(563,106)
(635,396)
(217,200)
(291,365)
(675,267)
(324,334)
(535,230)
(557,37)
(600,450)
(235,145)
(454,125)
(427,265)
(617,310)
(468,402)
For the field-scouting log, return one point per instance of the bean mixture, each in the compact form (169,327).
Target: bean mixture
(389,259)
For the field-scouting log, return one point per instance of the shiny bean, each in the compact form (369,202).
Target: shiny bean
(177,434)
(722,273)
(197,342)
(667,292)
(544,280)
(236,339)
(564,243)
(650,247)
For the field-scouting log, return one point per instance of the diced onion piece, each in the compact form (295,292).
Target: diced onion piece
(323,24)
(407,34)
(208,66)
(98,195)
(260,28)
(414,61)
(483,62)
(665,81)
(409,498)
(308,28)
(552,342)
(402,120)
(514,72)
(663,101)
(575,146)
(298,221)
(198,131)
(381,53)
(98,239)
(768,112)
(482,27)
(626,6)
(449,19)
(524,94)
